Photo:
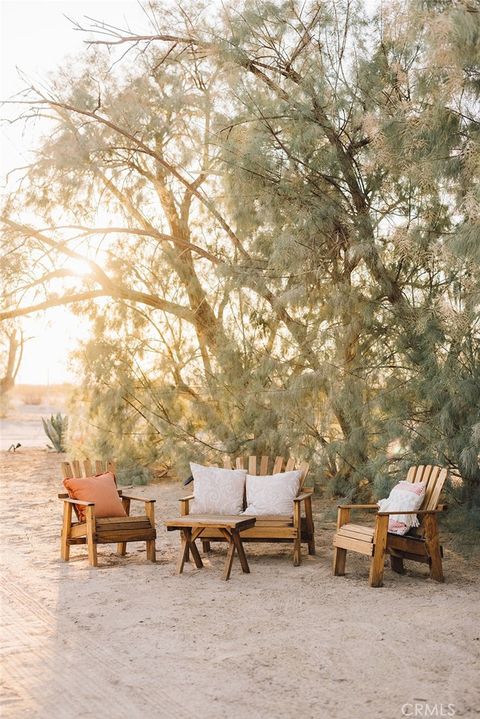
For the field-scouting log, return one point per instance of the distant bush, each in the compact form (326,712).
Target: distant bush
(33,398)
(56,431)
(133,473)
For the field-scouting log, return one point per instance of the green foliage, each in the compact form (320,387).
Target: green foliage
(133,473)
(292,264)
(56,430)
(464,524)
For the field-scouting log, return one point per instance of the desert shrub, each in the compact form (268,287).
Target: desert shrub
(56,430)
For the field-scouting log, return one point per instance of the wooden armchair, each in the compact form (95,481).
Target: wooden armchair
(420,545)
(106,530)
(295,528)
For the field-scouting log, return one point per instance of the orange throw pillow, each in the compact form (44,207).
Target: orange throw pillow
(100,489)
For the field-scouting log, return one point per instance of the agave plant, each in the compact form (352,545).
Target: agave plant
(56,431)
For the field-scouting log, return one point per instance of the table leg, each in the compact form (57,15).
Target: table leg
(185,543)
(241,552)
(193,548)
(190,534)
(229,559)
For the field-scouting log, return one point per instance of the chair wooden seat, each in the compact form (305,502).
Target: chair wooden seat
(420,545)
(356,538)
(104,530)
(357,531)
(116,529)
(293,528)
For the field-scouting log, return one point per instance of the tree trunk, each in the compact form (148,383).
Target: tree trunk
(15,351)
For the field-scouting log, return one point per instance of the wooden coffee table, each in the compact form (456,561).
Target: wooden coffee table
(192,526)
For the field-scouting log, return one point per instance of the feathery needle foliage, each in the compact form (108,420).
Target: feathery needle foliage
(291,255)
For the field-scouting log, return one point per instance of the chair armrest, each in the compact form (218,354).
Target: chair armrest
(359,506)
(81,502)
(412,511)
(138,499)
(304,495)
(185,504)
(121,491)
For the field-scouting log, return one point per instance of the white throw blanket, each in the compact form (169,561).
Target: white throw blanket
(407,496)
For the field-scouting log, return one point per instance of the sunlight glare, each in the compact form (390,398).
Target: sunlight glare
(80,268)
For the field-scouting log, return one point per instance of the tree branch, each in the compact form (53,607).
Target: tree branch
(148,151)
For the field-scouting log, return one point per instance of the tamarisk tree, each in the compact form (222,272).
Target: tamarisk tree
(282,202)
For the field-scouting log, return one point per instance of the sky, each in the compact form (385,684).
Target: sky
(36,35)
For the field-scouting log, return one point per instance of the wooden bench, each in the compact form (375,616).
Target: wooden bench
(294,529)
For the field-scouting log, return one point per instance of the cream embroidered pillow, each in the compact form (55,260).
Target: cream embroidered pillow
(217,490)
(272,494)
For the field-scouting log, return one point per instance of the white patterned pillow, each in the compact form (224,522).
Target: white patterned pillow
(272,494)
(408,496)
(217,490)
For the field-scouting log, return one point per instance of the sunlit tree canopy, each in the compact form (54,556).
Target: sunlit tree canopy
(271,215)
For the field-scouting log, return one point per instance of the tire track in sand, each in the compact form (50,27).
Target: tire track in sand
(43,678)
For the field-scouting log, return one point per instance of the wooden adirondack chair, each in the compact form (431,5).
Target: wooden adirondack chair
(275,528)
(421,545)
(105,530)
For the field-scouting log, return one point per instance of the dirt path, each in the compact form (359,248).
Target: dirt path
(31,632)
(130,639)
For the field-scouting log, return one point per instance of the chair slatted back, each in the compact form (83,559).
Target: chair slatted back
(435,478)
(74,469)
(265,463)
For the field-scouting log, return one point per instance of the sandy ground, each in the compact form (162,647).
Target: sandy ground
(24,425)
(130,639)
